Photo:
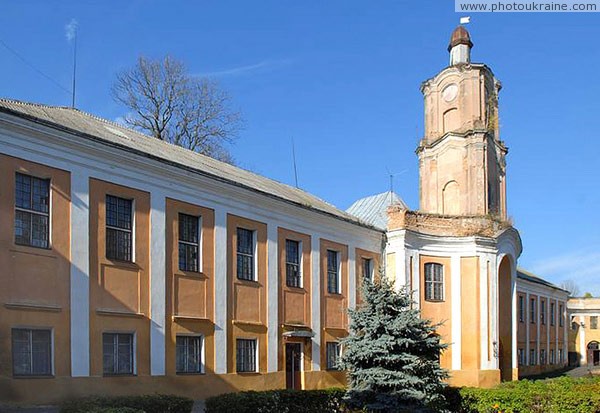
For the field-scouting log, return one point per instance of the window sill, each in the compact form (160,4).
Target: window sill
(435,301)
(119,375)
(28,249)
(118,313)
(34,376)
(191,274)
(33,307)
(248,373)
(183,373)
(122,263)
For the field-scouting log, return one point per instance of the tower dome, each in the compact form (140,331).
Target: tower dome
(460,46)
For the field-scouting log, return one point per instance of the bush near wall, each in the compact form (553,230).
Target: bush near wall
(560,395)
(278,401)
(155,403)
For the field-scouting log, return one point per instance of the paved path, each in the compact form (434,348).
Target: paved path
(584,371)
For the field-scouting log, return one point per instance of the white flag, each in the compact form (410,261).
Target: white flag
(465,20)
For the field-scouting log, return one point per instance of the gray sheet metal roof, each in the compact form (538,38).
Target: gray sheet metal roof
(373,209)
(531,277)
(88,126)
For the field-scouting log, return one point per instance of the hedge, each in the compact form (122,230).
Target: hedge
(155,403)
(565,395)
(278,401)
(560,395)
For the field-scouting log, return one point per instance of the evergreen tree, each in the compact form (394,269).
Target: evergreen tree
(391,354)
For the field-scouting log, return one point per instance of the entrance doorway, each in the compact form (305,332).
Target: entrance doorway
(593,353)
(293,366)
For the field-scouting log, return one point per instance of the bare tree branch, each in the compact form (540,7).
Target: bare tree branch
(167,103)
(570,286)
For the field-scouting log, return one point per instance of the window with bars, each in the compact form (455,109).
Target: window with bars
(333,272)
(32,352)
(117,353)
(333,352)
(434,282)
(293,274)
(561,320)
(543,312)
(521,309)
(188,354)
(119,228)
(245,254)
(532,357)
(245,355)
(189,243)
(32,211)
(367,269)
(542,357)
(552,360)
(552,314)
(594,322)
(532,310)
(521,356)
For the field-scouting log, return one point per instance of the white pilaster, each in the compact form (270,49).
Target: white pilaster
(316,301)
(484,308)
(527,328)
(582,346)
(220,291)
(537,325)
(158,285)
(455,287)
(514,321)
(80,274)
(272,298)
(351,276)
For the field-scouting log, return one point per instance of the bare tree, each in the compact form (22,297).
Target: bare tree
(167,103)
(571,286)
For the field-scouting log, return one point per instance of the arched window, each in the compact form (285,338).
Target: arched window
(434,282)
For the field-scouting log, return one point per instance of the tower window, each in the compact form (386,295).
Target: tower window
(434,282)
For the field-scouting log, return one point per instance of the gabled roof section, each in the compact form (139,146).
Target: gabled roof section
(87,126)
(373,209)
(531,277)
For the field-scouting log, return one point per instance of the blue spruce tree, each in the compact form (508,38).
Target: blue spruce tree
(391,354)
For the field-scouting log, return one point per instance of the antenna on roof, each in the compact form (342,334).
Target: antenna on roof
(294,159)
(391,175)
(71,33)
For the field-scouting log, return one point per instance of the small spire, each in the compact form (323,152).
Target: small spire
(460,46)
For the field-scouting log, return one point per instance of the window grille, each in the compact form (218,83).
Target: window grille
(245,254)
(32,211)
(117,352)
(245,355)
(189,243)
(32,352)
(333,274)
(434,282)
(188,354)
(293,274)
(119,228)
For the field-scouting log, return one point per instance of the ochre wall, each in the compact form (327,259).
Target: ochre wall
(375,259)
(247,300)
(35,282)
(470,313)
(439,311)
(190,295)
(114,305)
(294,310)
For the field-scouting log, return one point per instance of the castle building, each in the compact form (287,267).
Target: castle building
(130,265)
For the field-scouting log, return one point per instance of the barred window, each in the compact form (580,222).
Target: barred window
(117,353)
(552,360)
(188,354)
(119,228)
(521,309)
(246,355)
(189,243)
(532,310)
(293,275)
(333,352)
(32,352)
(561,320)
(532,357)
(543,312)
(32,211)
(552,314)
(434,282)
(594,322)
(333,272)
(542,357)
(367,269)
(245,254)
(521,356)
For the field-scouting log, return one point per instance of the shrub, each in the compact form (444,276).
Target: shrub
(156,403)
(565,395)
(278,401)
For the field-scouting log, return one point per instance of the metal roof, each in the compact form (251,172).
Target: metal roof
(531,277)
(87,126)
(373,209)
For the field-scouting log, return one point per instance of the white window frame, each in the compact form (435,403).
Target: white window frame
(300,262)
(133,353)
(443,283)
(199,244)
(338,270)
(132,231)
(31,211)
(52,349)
(254,255)
(202,353)
(256,355)
(338,355)
(370,275)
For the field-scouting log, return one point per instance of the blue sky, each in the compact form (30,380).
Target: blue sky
(342,79)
